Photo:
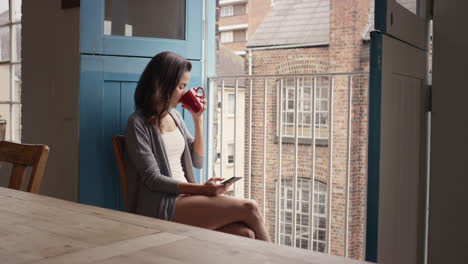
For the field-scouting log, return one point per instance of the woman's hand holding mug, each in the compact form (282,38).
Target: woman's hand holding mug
(194,102)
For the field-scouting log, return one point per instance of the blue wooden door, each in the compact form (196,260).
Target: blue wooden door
(110,68)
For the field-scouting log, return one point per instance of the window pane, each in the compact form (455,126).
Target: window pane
(4,12)
(289,118)
(321,234)
(17,43)
(146,18)
(290,104)
(16,75)
(231,104)
(16,10)
(323,105)
(322,223)
(227,11)
(226,36)
(304,218)
(288,217)
(5,82)
(5,114)
(307,118)
(324,93)
(239,35)
(321,247)
(5,43)
(411,5)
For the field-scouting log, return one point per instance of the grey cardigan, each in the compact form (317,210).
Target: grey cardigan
(151,189)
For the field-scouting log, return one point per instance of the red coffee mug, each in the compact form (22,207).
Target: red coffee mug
(191,100)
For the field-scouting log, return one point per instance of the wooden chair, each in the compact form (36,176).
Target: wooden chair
(22,156)
(119,150)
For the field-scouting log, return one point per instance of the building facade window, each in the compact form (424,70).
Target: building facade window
(231,104)
(10,68)
(227,36)
(240,35)
(303,214)
(230,153)
(305,88)
(227,11)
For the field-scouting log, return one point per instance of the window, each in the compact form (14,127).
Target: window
(240,35)
(303,214)
(227,36)
(227,11)
(305,87)
(230,152)
(10,68)
(231,104)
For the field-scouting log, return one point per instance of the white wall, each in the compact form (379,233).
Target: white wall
(448,219)
(50,91)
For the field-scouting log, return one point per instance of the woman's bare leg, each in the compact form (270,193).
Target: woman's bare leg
(238,229)
(214,212)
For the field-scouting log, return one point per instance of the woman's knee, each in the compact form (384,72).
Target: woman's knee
(251,207)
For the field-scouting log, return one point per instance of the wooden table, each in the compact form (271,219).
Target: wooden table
(40,229)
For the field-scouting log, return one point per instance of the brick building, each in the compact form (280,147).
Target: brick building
(238,20)
(304,37)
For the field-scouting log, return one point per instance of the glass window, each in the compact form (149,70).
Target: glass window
(239,35)
(227,11)
(411,5)
(303,215)
(305,89)
(231,104)
(227,36)
(10,69)
(145,18)
(230,151)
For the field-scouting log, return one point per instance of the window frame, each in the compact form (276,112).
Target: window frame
(13,62)
(320,189)
(284,88)
(229,14)
(231,32)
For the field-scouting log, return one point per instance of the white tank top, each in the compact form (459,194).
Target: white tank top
(174,143)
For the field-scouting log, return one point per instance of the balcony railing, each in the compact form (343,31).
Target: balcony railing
(300,144)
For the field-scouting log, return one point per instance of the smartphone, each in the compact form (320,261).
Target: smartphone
(231,180)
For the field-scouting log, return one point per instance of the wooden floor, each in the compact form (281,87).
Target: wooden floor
(40,229)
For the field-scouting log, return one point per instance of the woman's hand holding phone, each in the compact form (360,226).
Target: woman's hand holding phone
(211,188)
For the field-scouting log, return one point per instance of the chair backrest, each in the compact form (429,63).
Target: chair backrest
(22,156)
(119,150)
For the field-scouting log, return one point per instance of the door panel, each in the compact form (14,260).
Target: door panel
(397,156)
(106,101)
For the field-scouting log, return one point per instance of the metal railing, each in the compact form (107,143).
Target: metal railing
(259,131)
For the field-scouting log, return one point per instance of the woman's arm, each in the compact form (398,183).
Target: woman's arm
(197,144)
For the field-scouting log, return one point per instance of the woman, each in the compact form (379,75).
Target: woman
(161,153)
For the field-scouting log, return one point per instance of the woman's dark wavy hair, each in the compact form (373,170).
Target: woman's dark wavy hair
(157,83)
